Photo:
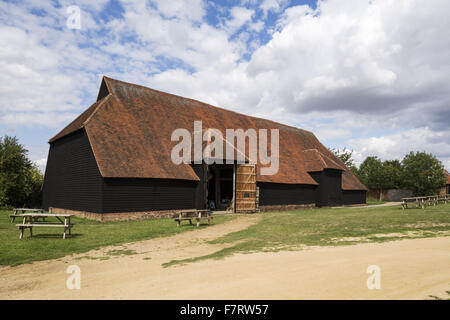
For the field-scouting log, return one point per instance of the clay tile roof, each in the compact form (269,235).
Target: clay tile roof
(317,161)
(130,127)
(225,144)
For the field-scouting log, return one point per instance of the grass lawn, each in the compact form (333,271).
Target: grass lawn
(326,226)
(372,201)
(47,243)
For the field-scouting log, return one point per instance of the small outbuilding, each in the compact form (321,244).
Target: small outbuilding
(114,162)
(446,189)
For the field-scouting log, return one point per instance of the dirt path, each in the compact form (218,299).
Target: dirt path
(410,269)
(386,204)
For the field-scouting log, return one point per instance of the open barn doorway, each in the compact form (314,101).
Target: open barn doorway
(232,188)
(220,186)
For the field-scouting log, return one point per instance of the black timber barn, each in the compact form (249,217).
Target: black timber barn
(116,158)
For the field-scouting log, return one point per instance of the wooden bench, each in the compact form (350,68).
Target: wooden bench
(418,201)
(422,202)
(30,221)
(18,211)
(189,215)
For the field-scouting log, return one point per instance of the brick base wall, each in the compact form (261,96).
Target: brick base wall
(119,216)
(287,207)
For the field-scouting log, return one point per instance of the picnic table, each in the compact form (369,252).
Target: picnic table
(17,211)
(419,202)
(193,214)
(424,201)
(31,220)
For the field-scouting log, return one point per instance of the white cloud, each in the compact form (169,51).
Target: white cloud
(190,9)
(53,120)
(256,26)
(397,145)
(325,133)
(272,5)
(44,71)
(41,163)
(239,17)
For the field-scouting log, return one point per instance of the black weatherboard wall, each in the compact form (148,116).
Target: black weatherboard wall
(354,196)
(72,179)
(134,195)
(286,194)
(200,201)
(329,191)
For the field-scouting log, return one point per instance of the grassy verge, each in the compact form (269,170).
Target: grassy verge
(326,226)
(47,243)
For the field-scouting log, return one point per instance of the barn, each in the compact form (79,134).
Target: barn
(114,162)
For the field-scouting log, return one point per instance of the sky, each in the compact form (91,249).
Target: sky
(372,76)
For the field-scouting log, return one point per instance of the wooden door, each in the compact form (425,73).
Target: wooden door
(245,188)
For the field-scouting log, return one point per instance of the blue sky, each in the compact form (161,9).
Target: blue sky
(371,76)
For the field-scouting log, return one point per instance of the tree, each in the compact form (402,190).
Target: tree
(371,173)
(34,190)
(346,157)
(393,174)
(20,179)
(423,173)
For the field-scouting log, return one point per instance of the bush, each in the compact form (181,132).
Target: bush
(20,179)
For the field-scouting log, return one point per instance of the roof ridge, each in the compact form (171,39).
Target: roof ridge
(323,156)
(203,103)
(337,164)
(100,104)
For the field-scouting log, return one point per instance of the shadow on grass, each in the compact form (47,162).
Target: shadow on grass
(52,236)
(195,225)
